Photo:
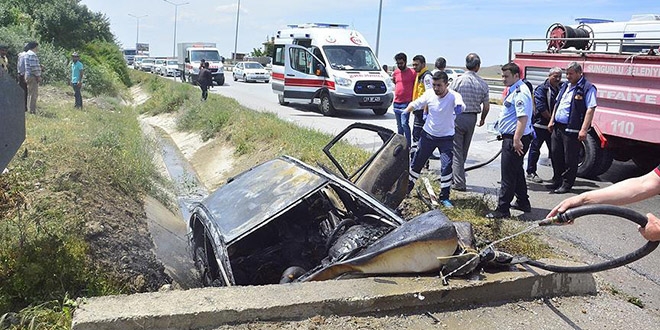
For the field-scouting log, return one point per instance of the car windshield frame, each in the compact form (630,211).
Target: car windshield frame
(351,58)
(253,65)
(209,55)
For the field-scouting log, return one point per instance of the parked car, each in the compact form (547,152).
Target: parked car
(158,63)
(170,68)
(454,73)
(250,71)
(137,61)
(147,64)
(286,221)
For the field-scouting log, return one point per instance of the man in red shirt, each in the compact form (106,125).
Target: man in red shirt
(624,192)
(404,80)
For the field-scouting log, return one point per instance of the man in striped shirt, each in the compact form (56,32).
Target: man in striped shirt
(474,91)
(32,75)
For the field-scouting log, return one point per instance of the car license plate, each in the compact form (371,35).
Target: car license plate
(371,99)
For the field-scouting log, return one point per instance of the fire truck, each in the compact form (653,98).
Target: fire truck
(622,59)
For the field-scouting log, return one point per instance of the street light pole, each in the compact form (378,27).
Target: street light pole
(137,33)
(176,7)
(238,11)
(380,12)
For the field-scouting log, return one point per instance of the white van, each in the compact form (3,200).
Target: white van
(332,64)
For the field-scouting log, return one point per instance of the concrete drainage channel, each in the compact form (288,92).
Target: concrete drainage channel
(212,307)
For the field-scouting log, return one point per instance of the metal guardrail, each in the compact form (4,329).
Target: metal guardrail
(495,85)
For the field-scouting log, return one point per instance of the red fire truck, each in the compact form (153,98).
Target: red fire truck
(622,59)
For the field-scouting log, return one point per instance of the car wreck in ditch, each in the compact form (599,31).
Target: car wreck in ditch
(286,221)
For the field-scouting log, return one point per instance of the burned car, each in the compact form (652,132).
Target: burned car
(284,220)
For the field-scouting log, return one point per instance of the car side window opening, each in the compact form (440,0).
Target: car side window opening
(278,55)
(302,60)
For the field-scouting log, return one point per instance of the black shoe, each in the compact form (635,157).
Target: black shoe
(498,215)
(553,186)
(525,207)
(561,190)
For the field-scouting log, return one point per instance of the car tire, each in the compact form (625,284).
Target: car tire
(593,160)
(379,111)
(326,107)
(202,265)
(221,80)
(267,81)
(280,99)
(245,78)
(235,79)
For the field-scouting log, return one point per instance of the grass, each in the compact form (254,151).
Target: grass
(46,199)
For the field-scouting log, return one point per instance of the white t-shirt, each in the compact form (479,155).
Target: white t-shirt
(442,111)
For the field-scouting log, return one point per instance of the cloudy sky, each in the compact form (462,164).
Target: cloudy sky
(431,28)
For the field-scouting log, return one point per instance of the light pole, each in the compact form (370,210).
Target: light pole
(137,34)
(176,7)
(238,12)
(380,12)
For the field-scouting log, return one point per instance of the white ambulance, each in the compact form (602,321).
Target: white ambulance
(331,64)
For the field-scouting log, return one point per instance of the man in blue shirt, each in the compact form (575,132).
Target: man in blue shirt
(569,124)
(514,125)
(77,72)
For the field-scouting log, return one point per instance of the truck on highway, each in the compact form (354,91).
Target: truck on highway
(332,64)
(190,55)
(622,60)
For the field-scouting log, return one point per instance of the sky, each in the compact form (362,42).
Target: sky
(451,29)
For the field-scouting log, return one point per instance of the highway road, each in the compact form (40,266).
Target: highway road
(590,239)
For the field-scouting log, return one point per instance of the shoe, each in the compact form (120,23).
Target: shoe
(561,190)
(498,215)
(534,178)
(458,188)
(553,186)
(446,203)
(525,207)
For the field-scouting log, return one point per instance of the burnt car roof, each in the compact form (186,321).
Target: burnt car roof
(266,190)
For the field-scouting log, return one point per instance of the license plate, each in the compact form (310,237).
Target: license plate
(371,99)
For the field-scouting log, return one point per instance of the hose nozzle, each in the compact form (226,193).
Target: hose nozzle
(558,220)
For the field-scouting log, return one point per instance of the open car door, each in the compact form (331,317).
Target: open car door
(385,173)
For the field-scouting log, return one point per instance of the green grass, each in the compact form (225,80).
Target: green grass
(68,157)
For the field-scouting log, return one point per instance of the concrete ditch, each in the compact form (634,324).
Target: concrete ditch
(211,307)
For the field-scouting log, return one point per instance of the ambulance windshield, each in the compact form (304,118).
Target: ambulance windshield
(208,55)
(351,58)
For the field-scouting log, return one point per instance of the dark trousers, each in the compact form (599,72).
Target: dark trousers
(512,173)
(77,95)
(542,136)
(205,91)
(428,143)
(565,150)
(418,128)
(23,84)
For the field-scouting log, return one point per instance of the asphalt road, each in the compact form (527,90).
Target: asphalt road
(590,239)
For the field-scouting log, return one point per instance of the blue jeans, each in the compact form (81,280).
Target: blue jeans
(428,143)
(402,118)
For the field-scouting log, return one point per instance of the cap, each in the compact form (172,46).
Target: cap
(75,54)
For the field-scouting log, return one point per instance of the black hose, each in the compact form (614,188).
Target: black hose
(476,166)
(577,212)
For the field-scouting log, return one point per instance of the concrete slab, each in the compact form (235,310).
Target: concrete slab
(211,307)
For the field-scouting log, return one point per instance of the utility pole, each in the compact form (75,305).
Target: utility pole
(176,7)
(137,34)
(238,14)
(380,12)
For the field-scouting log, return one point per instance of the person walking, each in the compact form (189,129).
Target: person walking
(4,61)
(570,123)
(624,192)
(438,132)
(404,82)
(77,72)
(20,74)
(32,75)
(516,132)
(545,98)
(423,82)
(205,80)
(475,93)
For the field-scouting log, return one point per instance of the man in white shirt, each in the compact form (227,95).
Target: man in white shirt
(438,132)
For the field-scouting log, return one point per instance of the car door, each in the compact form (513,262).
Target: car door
(384,175)
(301,81)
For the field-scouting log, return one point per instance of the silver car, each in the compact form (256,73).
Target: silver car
(250,71)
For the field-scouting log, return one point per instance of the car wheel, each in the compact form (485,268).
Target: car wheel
(202,265)
(592,158)
(267,81)
(326,107)
(379,111)
(245,78)
(234,75)
(280,99)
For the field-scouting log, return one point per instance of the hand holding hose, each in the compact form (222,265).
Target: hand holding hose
(652,229)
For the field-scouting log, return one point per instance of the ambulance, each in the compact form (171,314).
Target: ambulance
(331,65)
